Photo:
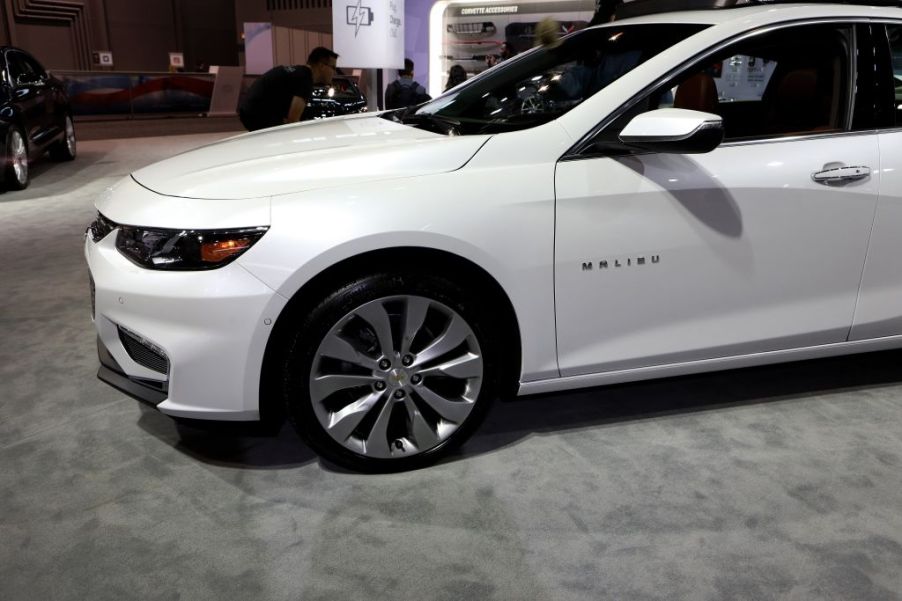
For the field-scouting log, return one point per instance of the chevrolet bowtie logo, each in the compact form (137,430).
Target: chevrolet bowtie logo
(359,15)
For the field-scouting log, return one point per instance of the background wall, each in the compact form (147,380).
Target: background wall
(306,15)
(63,33)
(311,15)
(416,38)
(292,46)
(141,33)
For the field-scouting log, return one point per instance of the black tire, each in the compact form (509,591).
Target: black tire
(66,149)
(15,167)
(303,360)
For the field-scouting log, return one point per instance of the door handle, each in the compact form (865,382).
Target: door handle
(841,174)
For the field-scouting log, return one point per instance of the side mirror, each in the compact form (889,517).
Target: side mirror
(676,131)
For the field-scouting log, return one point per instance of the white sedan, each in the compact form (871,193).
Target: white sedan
(662,195)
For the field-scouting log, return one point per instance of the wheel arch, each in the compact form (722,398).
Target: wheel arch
(12,119)
(437,261)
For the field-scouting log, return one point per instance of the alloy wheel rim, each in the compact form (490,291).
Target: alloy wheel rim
(70,136)
(19,157)
(396,377)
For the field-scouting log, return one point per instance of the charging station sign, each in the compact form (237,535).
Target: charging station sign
(368,34)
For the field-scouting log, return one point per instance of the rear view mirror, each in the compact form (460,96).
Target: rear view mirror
(676,131)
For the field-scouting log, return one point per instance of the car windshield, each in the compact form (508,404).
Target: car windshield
(545,82)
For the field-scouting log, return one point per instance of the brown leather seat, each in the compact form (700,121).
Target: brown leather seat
(698,93)
(805,99)
(796,106)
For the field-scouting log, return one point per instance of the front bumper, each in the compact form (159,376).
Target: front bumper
(189,343)
(147,391)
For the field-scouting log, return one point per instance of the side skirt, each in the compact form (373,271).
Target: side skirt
(706,365)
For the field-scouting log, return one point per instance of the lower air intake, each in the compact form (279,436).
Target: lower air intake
(143,353)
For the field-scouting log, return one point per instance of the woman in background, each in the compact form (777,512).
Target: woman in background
(456,75)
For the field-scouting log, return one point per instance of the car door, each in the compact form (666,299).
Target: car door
(667,258)
(51,121)
(879,311)
(30,95)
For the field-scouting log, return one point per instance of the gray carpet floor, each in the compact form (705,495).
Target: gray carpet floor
(771,483)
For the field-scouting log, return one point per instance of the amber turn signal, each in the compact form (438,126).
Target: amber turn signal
(220,250)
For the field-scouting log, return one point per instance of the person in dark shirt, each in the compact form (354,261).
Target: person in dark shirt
(281,94)
(404,91)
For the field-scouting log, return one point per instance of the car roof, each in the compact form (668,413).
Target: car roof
(5,49)
(764,13)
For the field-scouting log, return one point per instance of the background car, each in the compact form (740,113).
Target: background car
(35,116)
(342,97)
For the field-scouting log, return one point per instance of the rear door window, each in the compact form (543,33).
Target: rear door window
(895,43)
(18,68)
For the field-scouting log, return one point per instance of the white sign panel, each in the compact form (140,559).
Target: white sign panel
(226,90)
(103,58)
(368,34)
(176,59)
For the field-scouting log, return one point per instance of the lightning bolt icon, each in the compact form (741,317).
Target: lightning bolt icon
(357,17)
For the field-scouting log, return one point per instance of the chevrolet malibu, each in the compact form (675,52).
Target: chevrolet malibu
(662,195)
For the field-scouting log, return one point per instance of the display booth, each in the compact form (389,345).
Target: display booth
(476,34)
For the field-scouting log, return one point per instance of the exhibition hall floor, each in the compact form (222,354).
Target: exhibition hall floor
(770,483)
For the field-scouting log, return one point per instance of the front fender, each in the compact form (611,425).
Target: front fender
(508,234)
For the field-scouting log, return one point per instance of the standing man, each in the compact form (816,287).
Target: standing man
(404,91)
(281,94)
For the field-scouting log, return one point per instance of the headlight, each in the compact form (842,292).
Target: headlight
(185,250)
(100,227)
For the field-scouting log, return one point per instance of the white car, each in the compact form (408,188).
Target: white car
(663,195)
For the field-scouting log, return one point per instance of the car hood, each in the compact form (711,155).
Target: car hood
(306,156)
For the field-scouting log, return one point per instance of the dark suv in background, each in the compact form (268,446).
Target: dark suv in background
(341,97)
(35,116)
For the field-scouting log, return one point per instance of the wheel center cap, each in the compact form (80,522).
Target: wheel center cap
(398,377)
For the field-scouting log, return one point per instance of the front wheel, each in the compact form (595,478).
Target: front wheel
(390,372)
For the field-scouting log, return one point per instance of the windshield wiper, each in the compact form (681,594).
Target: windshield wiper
(437,123)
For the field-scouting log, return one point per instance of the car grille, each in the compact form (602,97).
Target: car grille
(144,353)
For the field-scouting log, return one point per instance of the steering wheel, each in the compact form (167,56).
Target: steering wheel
(532,104)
